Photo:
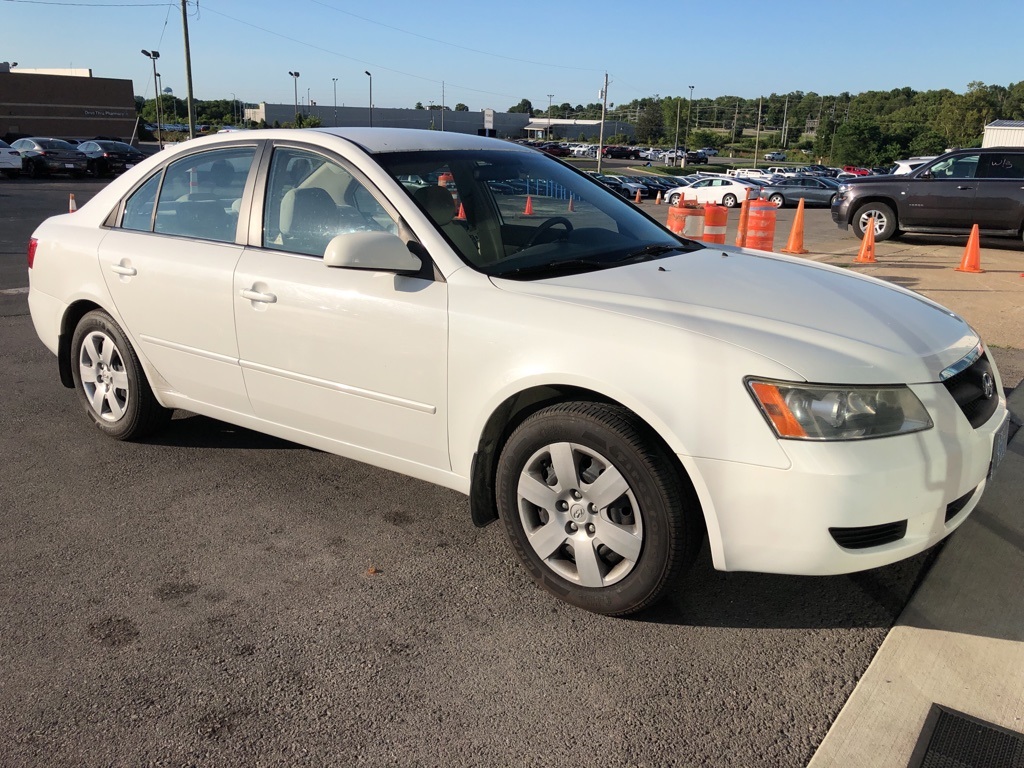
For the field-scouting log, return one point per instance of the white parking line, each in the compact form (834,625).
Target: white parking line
(12,291)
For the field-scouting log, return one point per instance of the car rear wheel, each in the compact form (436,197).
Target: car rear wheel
(729,201)
(596,508)
(674,199)
(110,380)
(885,220)
(777,200)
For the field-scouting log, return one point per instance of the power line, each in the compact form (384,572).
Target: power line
(454,45)
(91,5)
(350,58)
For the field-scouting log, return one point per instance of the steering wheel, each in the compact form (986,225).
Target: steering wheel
(553,221)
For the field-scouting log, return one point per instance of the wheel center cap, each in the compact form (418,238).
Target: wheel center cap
(578,513)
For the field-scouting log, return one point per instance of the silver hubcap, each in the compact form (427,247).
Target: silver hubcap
(777,200)
(104,379)
(880,221)
(580,515)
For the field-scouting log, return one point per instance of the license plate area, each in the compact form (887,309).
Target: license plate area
(999,446)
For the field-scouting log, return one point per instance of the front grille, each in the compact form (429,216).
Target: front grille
(954,507)
(968,389)
(869,535)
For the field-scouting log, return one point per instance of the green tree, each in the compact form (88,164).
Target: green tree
(460,107)
(651,125)
(523,107)
(419,105)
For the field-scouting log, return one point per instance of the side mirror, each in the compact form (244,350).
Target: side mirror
(925,175)
(376,251)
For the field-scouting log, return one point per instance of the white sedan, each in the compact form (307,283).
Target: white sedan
(10,160)
(720,190)
(615,394)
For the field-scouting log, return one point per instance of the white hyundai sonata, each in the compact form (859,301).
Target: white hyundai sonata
(506,327)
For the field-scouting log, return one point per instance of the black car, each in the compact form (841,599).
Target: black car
(628,153)
(106,157)
(947,195)
(695,158)
(43,156)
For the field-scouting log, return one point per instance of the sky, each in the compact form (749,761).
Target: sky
(493,54)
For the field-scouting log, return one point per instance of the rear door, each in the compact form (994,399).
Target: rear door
(999,202)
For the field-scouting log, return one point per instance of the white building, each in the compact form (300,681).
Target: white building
(1004,133)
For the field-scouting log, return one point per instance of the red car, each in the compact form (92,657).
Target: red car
(556,150)
(856,171)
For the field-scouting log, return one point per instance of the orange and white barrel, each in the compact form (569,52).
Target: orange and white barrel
(686,220)
(716,217)
(761,225)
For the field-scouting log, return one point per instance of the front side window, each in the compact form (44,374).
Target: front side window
(963,167)
(311,199)
(521,214)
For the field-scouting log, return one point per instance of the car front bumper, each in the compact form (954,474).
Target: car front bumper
(788,520)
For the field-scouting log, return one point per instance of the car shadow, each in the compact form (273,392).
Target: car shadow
(190,430)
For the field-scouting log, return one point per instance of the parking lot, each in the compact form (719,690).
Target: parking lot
(215,596)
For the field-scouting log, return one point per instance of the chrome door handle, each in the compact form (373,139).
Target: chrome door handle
(266,298)
(121,270)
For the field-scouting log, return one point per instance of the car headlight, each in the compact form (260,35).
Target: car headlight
(797,411)
(844,188)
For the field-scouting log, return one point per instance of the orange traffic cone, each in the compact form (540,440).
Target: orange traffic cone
(657,200)
(636,199)
(971,261)
(461,215)
(571,206)
(528,210)
(795,244)
(866,254)
(72,206)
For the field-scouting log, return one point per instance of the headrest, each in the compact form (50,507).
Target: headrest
(310,208)
(437,202)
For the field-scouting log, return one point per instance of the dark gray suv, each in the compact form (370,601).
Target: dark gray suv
(946,195)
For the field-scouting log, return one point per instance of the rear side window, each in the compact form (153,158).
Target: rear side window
(1002,165)
(199,196)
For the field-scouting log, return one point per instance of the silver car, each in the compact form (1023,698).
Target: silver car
(789,191)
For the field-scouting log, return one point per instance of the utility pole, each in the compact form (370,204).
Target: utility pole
(335,101)
(188,72)
(675,148)
(785,128)
(442,106)
(604,112)
(689,109)
(757,135)
(550,97)
(735,122)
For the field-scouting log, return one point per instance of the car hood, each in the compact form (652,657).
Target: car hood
(826,324)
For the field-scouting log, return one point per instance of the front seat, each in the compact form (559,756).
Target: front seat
(309,219)
(440,206)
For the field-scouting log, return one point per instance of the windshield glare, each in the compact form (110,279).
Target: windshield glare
(523,215)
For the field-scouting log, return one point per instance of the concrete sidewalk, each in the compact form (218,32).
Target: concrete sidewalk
(958,643)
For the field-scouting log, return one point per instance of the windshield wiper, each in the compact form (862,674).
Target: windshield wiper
(648,252)
(571,265)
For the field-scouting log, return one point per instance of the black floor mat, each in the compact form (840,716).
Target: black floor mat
(951,739)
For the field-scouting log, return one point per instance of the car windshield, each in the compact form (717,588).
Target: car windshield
(54,144)
(523,215)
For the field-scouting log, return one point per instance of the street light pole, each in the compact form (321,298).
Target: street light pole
(233,99)
(335,101)
(153,56)
(689,109)
(308,102)
(295,81)
(675,149)
(367,73)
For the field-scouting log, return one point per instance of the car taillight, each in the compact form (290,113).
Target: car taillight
(106,154)
(32,243)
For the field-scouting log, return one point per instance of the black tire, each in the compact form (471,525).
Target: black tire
(777,200)
(729,201)
(110,381)
(12,173)
(639,540)
(36,170)
(885,220)
(673,199)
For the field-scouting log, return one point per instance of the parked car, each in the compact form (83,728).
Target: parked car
(709,151)
(106,157)
(777,157)
(631,185)
(903,167)
(695,158)
(947,195)
(717,189)
(802,418)
(856,170)
(555,150)
(43,156)
(10,161)
(789,191)
(630,153)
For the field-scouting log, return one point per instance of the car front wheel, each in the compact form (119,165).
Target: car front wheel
(729,201)
(885,220)
(596,508)
(777,200)
(110,380)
